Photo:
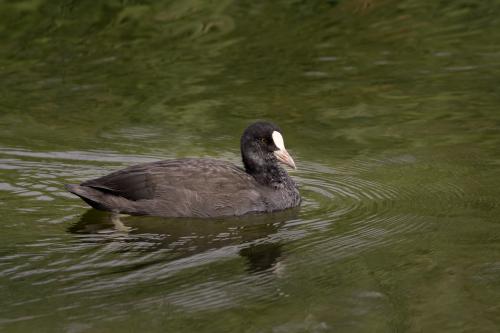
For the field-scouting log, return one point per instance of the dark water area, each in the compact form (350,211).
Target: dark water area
(391,110)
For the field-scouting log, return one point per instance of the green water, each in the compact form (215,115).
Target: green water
(391,110)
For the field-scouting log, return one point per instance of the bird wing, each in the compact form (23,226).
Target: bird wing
(200,187)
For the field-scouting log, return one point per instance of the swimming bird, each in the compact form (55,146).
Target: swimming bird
(202,187)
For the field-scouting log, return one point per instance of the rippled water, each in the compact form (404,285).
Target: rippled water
(389,108)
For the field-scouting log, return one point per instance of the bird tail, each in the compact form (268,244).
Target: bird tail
(95,198)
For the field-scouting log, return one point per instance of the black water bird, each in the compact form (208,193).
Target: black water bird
(192,187)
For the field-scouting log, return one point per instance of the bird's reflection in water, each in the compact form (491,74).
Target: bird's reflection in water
(251,234)
(261,257)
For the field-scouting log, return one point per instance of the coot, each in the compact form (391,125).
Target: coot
(192,187)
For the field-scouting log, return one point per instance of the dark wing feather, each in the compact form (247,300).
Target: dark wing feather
(133,183)
(184,187)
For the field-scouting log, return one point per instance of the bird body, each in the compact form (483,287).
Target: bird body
(192,187)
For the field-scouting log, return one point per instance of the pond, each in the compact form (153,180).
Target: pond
(391,110)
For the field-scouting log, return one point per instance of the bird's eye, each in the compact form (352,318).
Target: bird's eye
(263,140)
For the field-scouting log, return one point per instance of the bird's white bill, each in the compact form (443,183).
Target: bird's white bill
(281,154)
(285,158)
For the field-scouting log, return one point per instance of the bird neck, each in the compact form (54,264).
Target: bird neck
(270,175)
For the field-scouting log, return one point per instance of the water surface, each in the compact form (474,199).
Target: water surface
(390,109)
